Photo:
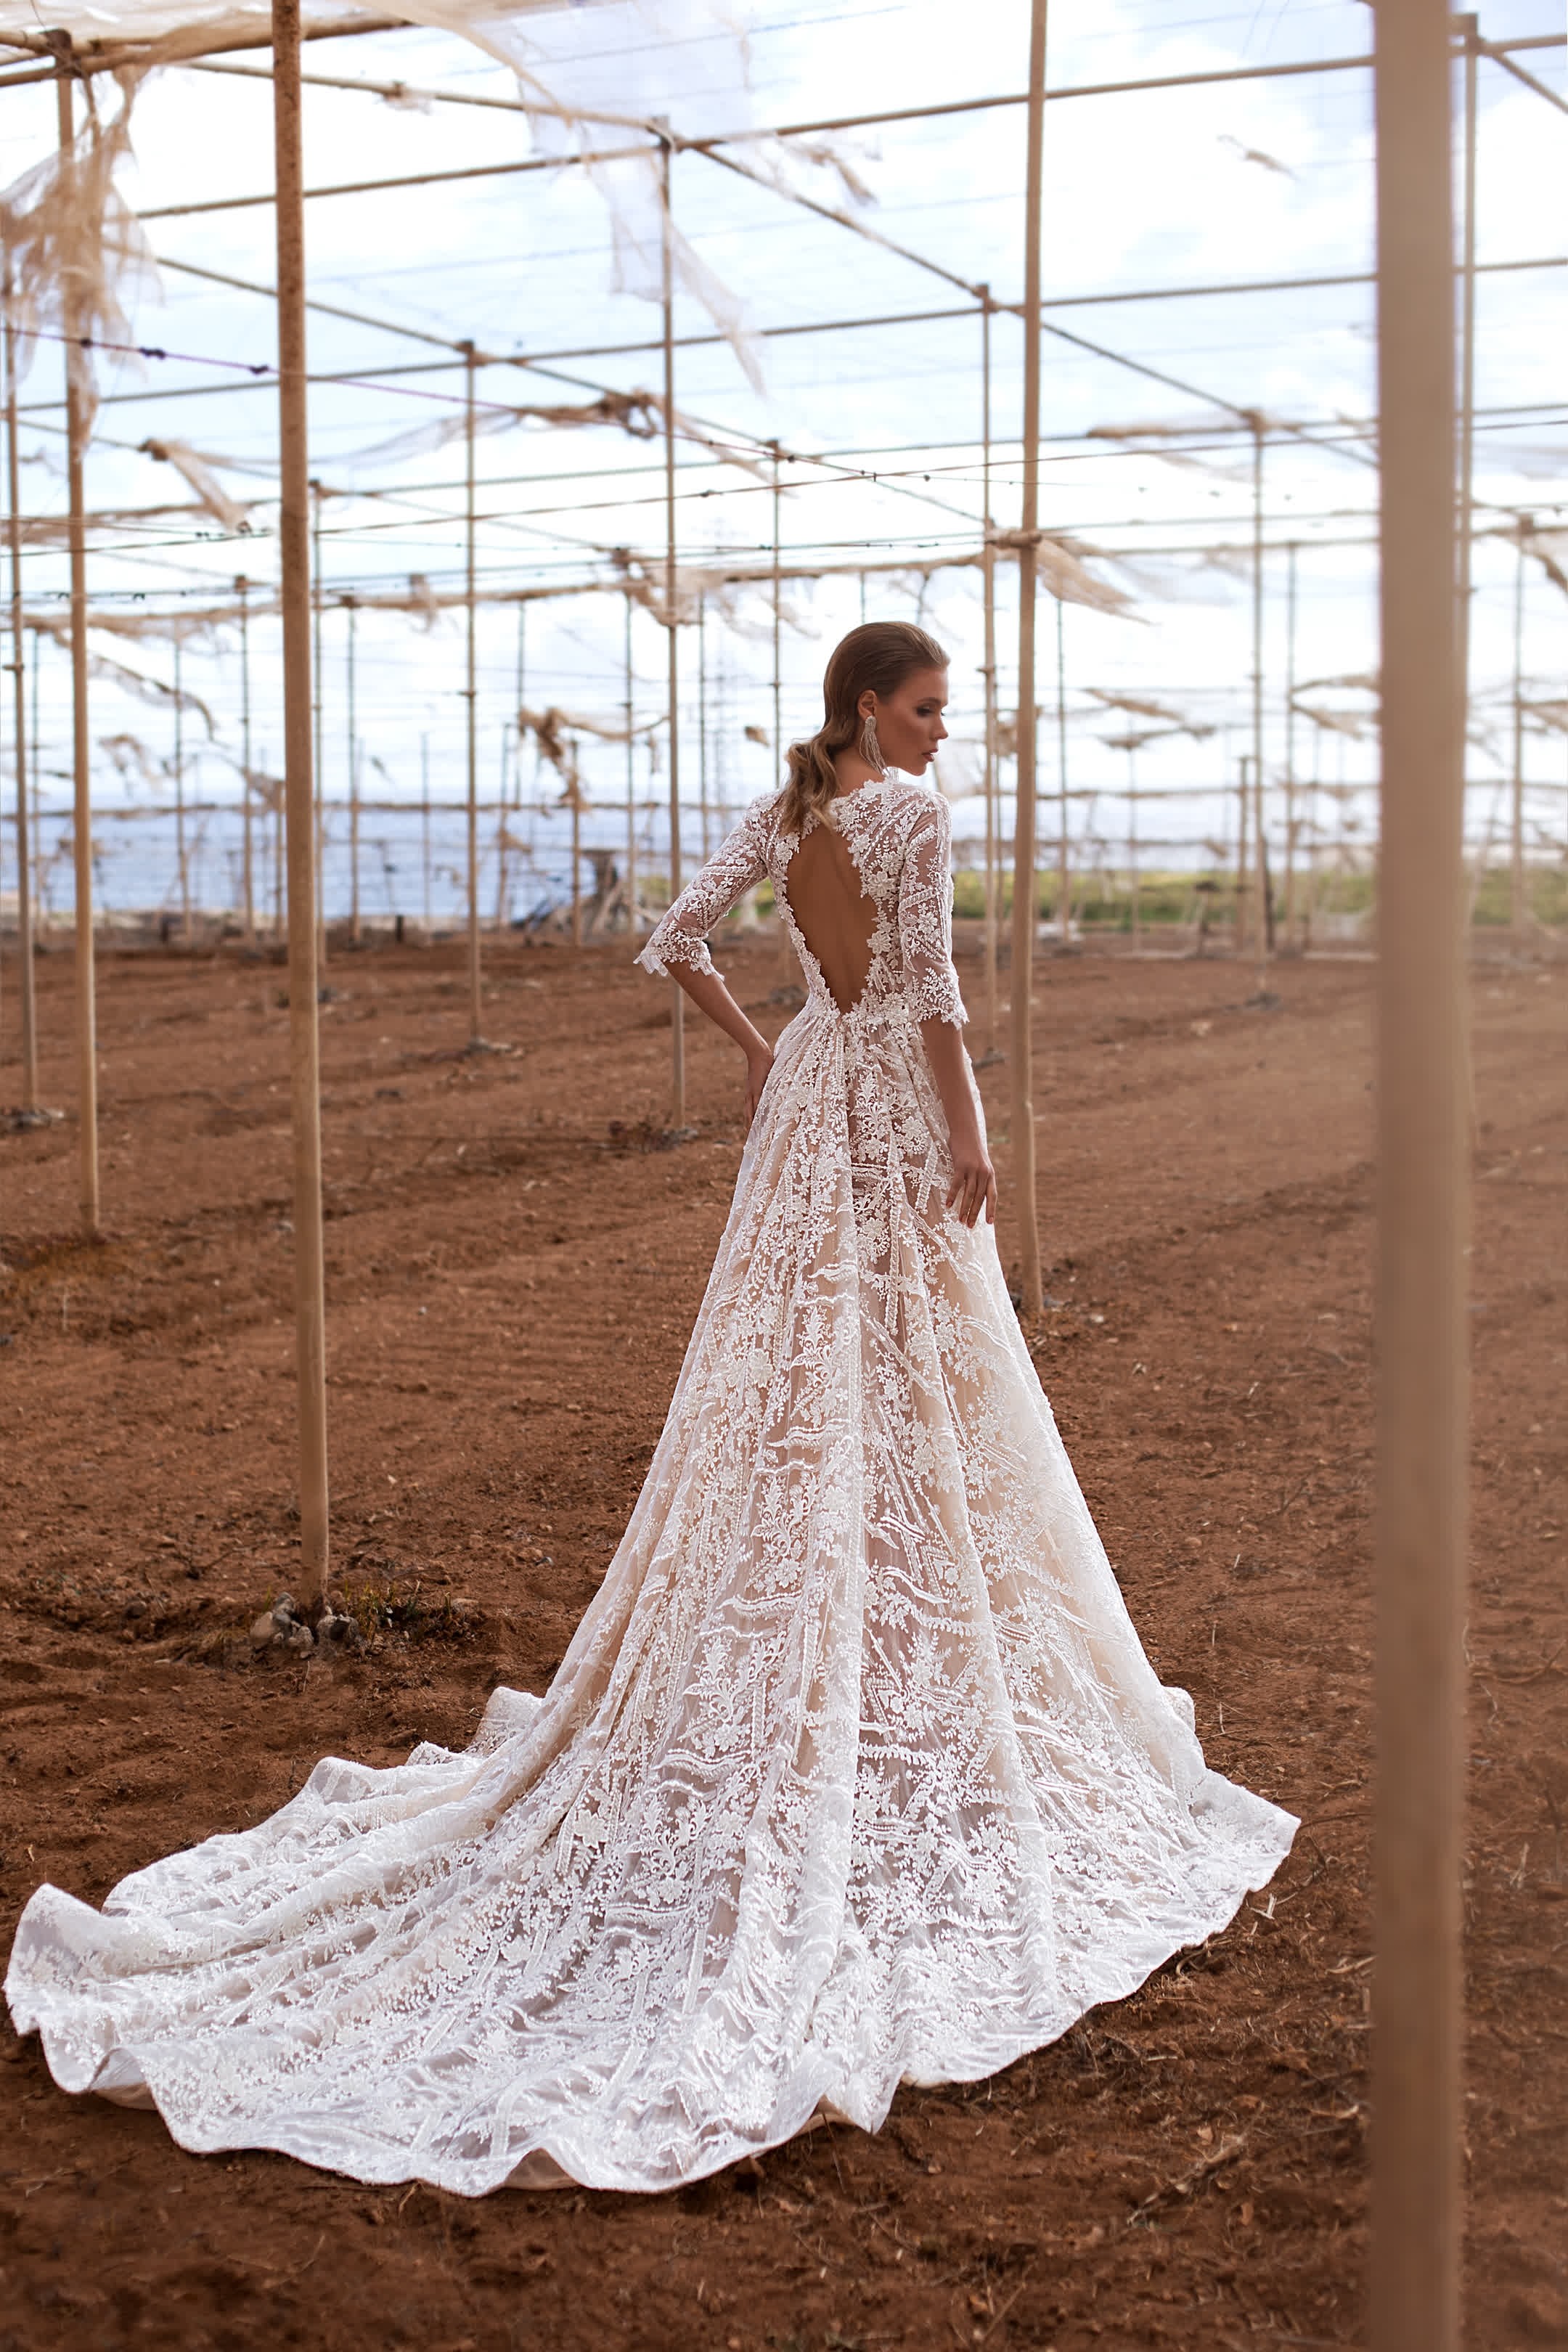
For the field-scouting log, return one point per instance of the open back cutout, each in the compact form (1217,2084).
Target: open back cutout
(832,913)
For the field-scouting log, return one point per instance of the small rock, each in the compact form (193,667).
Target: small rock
(136,1609)
(263,1631)
(284,1607)
(300,1641)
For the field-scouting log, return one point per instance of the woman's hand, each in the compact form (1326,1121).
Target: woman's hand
(974,1185)
(758,1064)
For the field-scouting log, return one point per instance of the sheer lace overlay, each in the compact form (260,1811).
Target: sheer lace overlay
(855,1771)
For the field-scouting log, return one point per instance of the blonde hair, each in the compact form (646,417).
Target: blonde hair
(877,656)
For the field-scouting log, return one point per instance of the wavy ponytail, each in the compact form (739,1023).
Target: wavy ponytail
(878,656)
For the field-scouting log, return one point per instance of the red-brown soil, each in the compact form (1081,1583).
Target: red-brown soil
(510,1281)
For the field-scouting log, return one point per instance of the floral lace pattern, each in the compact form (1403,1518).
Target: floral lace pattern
(854,1773)
(900,838)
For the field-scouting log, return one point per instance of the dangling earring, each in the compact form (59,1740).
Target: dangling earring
(870,749)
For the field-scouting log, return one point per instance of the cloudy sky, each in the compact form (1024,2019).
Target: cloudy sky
(1156,203)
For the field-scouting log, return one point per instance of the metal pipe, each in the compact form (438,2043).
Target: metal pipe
(82,772)
(1417,2113)
(1031,1294)
(294,542)
(26,977)
(677,999)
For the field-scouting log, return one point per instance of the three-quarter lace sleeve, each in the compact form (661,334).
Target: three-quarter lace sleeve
(925,919)
(681,936)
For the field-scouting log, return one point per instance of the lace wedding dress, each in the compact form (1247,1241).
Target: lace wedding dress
(855,1772)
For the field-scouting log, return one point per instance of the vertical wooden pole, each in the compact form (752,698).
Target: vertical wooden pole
(988,673)
(1421,1201)
(81,820)
(353,770)
(1291,818)
(471,701)
(1468,28)
(631,783)
(1243,856)
(1031,1295)
(702,724)
(1261,838)
(575,794)
(182,852)
(1134,892)
(1064,852)
(501,874)
(1518,894)
(242,590)
(786,951)
(677,999)
(424,824)
(294,535)
(317,711)
(28,982)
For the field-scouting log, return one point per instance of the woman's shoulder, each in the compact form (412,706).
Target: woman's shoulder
(918,806)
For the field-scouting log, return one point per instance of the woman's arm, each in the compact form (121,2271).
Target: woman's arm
(709,993)
(974,1185)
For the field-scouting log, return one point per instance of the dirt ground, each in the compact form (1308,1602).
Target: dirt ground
(514,1262)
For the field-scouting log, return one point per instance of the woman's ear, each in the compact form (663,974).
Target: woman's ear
(867,705)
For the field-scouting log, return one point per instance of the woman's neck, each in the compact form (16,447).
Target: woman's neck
(853,769)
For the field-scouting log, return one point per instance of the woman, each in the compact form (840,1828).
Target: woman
(855,1772)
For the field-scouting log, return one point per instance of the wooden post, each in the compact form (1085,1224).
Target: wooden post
(1467,28)
(574,793)
(1261,838)
(471,701)
(702,724)
(1518,893)
(294,534)
(425,825)
(81,818)
(1243,860)
(1290,820)
(318,676)
(631,783)
(1132,879)
(1064,864)
(1031,1295)
(28,978)
(1421,1201)
(786,951)
(242,590)
(354,774)
(988,672)
(501,875)
(182,854)
(677,999)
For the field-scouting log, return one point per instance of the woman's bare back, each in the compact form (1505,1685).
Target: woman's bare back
(833,914)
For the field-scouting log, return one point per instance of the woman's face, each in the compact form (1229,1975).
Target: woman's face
(908,721)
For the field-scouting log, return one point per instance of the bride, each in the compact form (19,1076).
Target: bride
(855,1773)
